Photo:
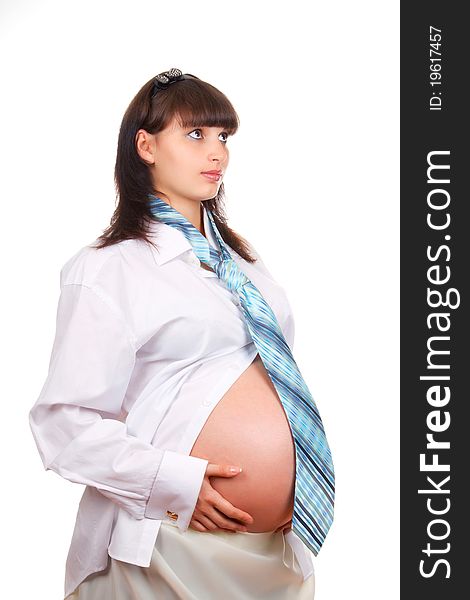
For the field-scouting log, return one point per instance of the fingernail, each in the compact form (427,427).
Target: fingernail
(235,469)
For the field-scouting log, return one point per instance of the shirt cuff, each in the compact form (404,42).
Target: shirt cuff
(176,488)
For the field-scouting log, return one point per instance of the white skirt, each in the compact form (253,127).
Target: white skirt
(196,565)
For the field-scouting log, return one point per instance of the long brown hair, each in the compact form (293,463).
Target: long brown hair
(194,103)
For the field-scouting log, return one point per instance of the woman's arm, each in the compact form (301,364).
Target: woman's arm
(75,421)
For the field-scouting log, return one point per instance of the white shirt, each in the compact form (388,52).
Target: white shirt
(147,342)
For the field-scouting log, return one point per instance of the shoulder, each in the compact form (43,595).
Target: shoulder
(84,266)
(89,265)
(114,276)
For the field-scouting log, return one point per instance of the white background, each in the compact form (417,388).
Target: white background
(312,182)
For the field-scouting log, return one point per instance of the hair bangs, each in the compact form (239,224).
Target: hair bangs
(195,103)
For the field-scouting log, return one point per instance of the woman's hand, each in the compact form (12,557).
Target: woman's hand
(212,510)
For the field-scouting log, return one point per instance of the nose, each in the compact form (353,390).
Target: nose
(219,156)
(218,152)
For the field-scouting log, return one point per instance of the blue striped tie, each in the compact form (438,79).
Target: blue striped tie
(314,483)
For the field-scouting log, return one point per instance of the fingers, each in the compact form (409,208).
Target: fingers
(197,525)
(212,510)
(214,470)
(218,501)
(217,524)
(222,522)
(229,510)
(203,523)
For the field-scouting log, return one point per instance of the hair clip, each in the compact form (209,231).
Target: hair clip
(163,80)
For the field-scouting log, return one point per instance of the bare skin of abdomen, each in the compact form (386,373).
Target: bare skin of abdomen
(249,428)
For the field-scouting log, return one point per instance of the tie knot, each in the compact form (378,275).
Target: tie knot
(228,271)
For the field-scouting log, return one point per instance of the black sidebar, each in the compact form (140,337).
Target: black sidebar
(434,304)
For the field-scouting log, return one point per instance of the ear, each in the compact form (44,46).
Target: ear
(145,146)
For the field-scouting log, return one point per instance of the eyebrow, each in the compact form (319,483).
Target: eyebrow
(208,127)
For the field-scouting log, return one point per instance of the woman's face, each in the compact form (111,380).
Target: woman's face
(182,154)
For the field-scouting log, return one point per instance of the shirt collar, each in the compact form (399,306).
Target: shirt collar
(172,242)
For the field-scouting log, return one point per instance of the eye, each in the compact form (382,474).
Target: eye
(194,131)
(200,130)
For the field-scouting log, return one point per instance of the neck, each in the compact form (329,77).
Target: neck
(192,211)
(201,220)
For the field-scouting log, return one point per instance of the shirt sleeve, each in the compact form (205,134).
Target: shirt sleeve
(76,421)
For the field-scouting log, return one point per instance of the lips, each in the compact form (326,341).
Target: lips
(212,175)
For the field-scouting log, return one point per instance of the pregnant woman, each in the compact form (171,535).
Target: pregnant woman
(158,399)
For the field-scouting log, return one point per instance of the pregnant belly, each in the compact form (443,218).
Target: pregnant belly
(249,428)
